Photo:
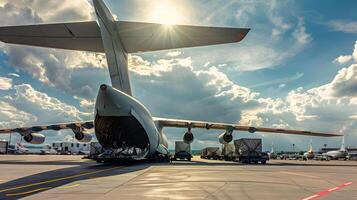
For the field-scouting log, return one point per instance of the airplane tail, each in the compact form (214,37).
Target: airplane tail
(117,57)
(118,38)
(343,148)
(310,146)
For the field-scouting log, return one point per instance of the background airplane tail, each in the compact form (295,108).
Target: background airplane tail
(343,148)
(117,57)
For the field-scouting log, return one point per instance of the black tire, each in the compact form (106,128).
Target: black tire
(264,162)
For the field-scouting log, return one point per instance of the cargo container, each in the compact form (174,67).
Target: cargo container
(228,152)
(182,151)
(249,150)
(211,153)
(3,147)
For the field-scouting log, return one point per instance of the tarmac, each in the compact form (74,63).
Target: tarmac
(48,177)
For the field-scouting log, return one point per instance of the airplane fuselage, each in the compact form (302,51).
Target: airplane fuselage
(337,154)
(123,125)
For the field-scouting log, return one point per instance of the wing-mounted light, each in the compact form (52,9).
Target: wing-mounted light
(226,137)
(188,137)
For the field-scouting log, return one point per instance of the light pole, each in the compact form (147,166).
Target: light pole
(293,148)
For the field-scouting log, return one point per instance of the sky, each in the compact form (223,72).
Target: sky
(296,68)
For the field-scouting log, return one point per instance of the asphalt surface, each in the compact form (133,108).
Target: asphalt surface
(70,177)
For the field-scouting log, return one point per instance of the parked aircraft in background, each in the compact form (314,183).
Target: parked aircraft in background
(338,154)
(310,153)
(272,154)
(123,125)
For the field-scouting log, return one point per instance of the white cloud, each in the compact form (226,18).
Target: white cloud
(44,108)
(29,11)
(344,84)
(347,58)
(282,85)
(343,59)
(278,81)
(14,75)
(5,83)
(174,53)
(57,68)
(343,26)
(10,116)
(86,104)
(300,34)
(330,107)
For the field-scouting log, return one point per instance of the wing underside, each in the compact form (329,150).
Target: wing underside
(55,127)
(223,126)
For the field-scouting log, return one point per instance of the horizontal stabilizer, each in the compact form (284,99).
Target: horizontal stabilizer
(83,36)
(141,37)
(135,36)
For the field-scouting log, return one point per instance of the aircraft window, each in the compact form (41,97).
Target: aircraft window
(77,144)
(72,145)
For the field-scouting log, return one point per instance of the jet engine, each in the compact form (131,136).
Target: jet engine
(34,138)
(81,136)
(225,138)
(188,137)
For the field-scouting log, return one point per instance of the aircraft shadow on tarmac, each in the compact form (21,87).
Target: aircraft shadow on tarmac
(36,183)
(24,162)
(231,163)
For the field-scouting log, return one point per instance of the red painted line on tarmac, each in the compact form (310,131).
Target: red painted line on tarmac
(326,192)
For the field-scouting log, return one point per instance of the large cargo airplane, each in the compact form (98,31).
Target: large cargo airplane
(122,124)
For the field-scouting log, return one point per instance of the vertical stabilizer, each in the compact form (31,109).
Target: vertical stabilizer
(310,146)
(343,148)
(272,148)
(117,57)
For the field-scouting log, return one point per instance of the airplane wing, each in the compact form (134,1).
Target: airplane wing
(223,126)
(135,36)
(56,127)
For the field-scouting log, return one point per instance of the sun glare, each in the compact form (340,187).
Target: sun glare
(165,12)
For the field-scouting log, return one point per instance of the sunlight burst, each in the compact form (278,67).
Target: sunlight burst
(165,12)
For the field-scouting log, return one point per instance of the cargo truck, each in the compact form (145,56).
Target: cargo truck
(249,150)
(211,153)
(182,151)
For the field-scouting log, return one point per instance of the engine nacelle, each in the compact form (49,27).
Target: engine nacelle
(83,137)
(225,138)
(34,138)
(188,138)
